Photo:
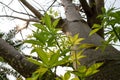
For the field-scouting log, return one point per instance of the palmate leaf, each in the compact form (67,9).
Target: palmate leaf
(75,40)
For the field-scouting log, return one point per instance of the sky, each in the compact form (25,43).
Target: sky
(7,24)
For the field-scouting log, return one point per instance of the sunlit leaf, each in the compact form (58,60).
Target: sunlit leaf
(94,31)
(54,59)
(47,20)
(56,22)
(93,69)
(36,62)
(41,71)
(85,45)
(35,42)
(42,55)
(67,76)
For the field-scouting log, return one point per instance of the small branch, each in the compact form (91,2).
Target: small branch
(51,4)
(30,20)
(32,9)
(15,10)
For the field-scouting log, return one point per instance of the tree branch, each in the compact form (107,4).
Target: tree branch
(32,9)
(15,10)
(15,17)
(86,7)
(16,60)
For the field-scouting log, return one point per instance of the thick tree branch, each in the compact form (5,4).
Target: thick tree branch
(99,6)
(16,60)
(86,7)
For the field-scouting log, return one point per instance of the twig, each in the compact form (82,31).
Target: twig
(15,10)
(31,20)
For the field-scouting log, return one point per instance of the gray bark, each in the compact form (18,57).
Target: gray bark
(16,60)
(76,25)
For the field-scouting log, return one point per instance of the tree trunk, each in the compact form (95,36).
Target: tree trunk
(110,56)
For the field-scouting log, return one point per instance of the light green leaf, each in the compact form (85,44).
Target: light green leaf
(35,42)
(82,69)
(56,22)
(36,62)
(76,78)
(85,45)
(94,31)
(41,71)
(42,55)
(93,69)
(47,20)
(67,76)
(40,26)
(96,26)
(56,13)
(63,61)
(54,59)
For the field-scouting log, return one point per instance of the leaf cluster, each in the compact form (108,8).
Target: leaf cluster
(55,49)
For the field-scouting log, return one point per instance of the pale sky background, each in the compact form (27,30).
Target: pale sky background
(7,24)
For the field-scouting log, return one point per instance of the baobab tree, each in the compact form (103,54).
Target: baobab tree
(74,23)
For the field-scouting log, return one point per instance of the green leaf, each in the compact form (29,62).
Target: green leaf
(47,20)
(76,78)
(33,42)
(36,62)
(94,31)
(1,59)
(67,76)
(85,45)
(93,69)
(41,71)
(56,13)
(51,11)
(63,61)
(96,26)
(42,55)
(54,59)
(82,69)
(56,22)
(40,26)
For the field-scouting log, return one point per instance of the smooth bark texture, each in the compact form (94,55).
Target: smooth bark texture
(75,25)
